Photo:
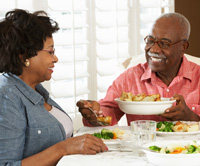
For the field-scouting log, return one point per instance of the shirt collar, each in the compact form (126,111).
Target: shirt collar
(26,90)
(185,70)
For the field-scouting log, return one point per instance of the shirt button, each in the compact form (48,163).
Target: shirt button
(39,131)
(193,108)
(167,90)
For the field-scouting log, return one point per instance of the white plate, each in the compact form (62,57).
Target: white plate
(167,134)
(145,108)
(112,142)
(107,141)
(172,159)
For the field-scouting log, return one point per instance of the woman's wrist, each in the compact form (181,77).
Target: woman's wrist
(61,148)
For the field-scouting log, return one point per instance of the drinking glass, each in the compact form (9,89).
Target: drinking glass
(143,131)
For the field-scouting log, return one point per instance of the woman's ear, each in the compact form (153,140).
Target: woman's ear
(26,62)
(22,58)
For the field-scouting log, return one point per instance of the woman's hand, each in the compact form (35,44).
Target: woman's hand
(180,111)
(86,113)
(85,144)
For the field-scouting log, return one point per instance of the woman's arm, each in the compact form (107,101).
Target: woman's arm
(16,134)
(86,144)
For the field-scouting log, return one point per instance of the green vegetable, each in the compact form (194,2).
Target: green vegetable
(197,149)
(104,134)
(165,126)
(155,148)
(167,151)
(186,149)
(159,124)
(107,134)
(97,135)
(191,149)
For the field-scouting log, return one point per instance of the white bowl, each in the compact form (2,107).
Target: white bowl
(145,108)
(160,159)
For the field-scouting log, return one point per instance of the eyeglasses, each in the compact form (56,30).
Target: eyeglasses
(163,44)
(52,52)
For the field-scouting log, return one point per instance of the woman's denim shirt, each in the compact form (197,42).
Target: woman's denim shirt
(26,127)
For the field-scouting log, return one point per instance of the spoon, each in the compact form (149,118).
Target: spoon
(99,122)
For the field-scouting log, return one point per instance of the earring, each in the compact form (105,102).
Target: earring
(27,63)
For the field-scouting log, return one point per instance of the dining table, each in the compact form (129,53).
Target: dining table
(117,154)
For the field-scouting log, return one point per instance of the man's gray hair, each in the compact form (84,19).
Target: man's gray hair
(182,21)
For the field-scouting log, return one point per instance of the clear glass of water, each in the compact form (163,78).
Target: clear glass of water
(143,131)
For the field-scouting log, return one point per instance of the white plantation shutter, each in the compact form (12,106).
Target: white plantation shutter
(71,76)
(149,11)
(112,41)
(95,37)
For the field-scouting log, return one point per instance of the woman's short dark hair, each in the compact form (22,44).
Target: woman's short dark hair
(22,34)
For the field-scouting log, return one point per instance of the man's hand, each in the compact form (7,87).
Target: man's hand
(180,111)
(86,113)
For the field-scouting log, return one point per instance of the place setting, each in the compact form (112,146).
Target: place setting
(174,139)
(148,142)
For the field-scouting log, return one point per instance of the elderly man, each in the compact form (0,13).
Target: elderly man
(167,72)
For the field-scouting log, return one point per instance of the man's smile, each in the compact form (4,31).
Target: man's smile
(154,57)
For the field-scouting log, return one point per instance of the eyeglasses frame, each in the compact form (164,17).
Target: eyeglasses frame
(170,44)
(50,50)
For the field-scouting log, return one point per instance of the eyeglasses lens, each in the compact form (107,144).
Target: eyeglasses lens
(151,41)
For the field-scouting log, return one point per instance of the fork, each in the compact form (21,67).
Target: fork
(99,122)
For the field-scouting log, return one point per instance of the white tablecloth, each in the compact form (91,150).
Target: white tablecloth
(117,156)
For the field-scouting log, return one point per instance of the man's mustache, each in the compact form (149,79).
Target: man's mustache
(156,55)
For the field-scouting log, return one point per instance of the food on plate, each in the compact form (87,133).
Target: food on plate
(154,97)
(194,127)
(155,148)
(118,132)
(110,134)
(185,127)
(139,97)
(105,134)
(126,96)
(165,126)
(105,119)
(188,148)
(178,126)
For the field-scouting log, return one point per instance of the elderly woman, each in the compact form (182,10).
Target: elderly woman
(35,130)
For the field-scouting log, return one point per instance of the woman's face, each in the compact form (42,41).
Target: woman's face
(41,66)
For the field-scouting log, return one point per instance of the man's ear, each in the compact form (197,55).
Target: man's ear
(185,45)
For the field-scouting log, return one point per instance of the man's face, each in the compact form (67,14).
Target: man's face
(165,60)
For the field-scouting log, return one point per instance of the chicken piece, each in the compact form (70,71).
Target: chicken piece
(179,127)
(158,98)
(139,97)
(126,96)
(155,97)
(105,119)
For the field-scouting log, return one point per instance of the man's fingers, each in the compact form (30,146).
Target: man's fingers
(170,115)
